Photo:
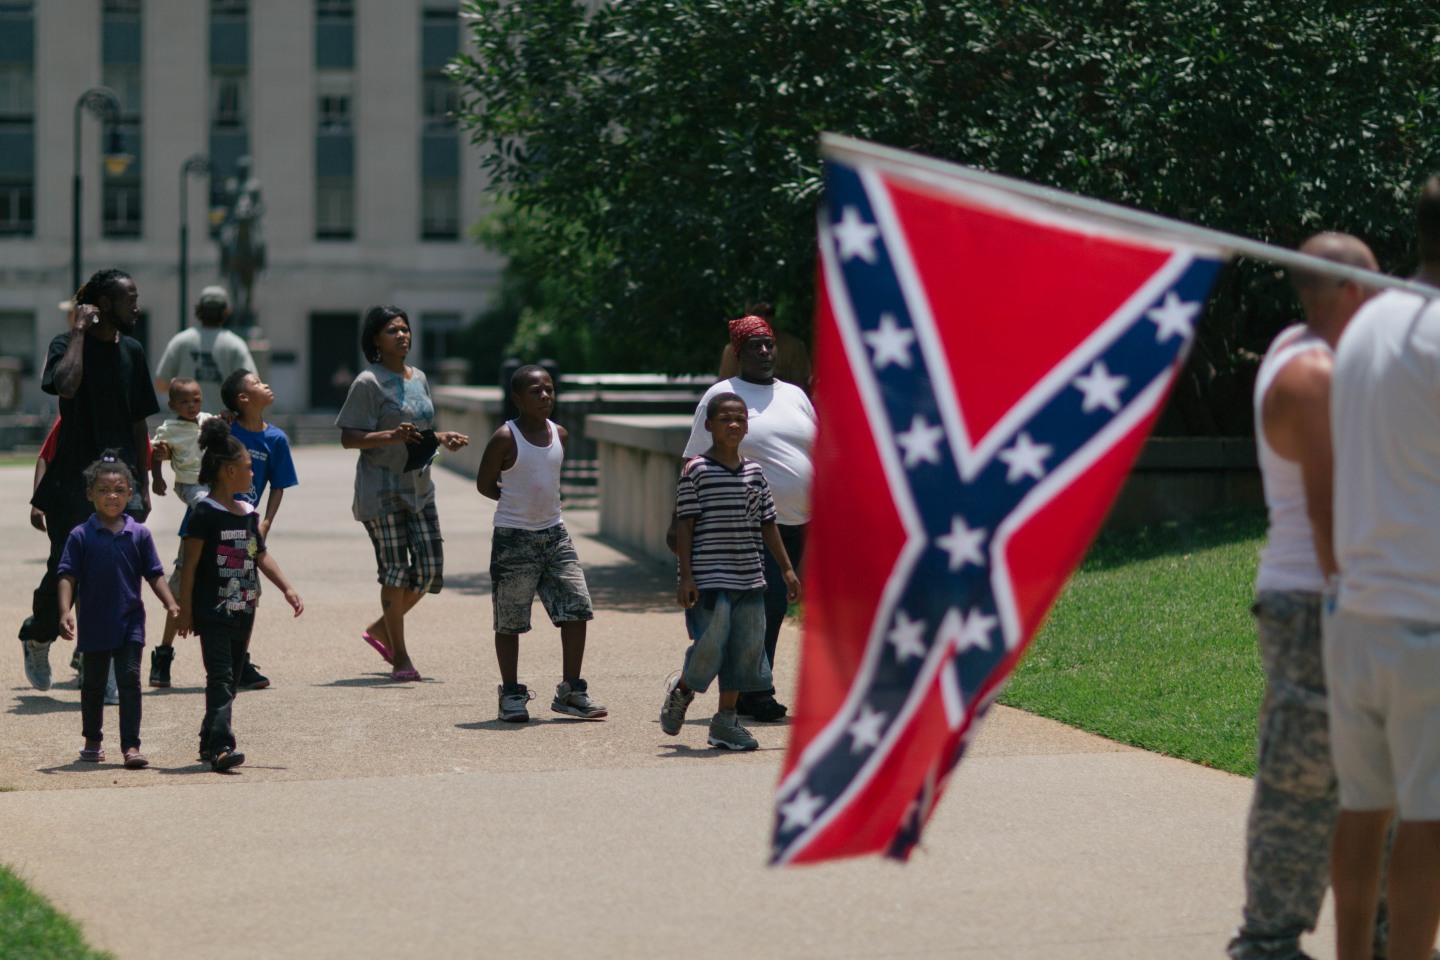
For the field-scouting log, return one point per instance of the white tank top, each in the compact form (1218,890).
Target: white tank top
(530,489)
(1287,561)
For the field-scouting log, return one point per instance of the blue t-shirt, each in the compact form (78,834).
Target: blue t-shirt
(270,464)
(107,569)
(270,460)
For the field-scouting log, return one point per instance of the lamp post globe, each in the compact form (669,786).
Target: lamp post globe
(103,104)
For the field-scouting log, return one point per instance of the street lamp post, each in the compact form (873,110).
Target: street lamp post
(103,104)
(198,164)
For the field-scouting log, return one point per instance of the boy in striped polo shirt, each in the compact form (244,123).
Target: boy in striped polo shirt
(724,514)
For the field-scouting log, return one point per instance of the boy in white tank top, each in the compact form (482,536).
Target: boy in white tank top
(530,551)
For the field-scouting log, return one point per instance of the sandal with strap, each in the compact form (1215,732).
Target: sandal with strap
(92,756)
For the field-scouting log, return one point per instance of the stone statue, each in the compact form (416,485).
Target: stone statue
(242,250)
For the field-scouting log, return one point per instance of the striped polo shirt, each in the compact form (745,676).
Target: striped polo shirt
(729,507)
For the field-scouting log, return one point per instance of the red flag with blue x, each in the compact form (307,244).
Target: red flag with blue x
(987,369)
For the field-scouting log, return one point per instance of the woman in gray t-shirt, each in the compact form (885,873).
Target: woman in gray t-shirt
(388,416)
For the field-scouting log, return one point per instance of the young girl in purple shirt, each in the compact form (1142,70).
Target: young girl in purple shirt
(104,561)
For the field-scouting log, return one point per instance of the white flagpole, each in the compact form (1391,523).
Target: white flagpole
(937,172)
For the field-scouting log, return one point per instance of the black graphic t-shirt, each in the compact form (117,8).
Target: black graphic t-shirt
(227,581)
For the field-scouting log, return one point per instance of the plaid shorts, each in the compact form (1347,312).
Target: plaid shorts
(408,551)
(526,562)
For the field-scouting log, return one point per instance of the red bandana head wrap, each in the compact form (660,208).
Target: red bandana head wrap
(747,327)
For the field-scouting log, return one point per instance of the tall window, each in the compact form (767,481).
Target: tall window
(439,338)
(229,93)
(17,338)
(122,198)
(439,138)
(334,126)
(17,120)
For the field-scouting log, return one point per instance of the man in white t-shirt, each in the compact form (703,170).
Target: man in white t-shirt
(206,354)
(1382,638)
(1292,814)
(781,434)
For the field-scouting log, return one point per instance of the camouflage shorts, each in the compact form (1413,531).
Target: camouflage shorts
(526,562)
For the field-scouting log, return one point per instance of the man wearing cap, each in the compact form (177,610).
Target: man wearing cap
(206,354)
(781,433)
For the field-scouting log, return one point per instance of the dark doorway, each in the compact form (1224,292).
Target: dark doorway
(334,358)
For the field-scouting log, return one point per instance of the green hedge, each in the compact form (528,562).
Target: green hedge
(661,155)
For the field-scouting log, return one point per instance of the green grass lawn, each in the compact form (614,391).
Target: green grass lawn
(30,929)
(1152,643)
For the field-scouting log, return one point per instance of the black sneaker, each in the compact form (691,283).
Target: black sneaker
(252,679)
(225,759)
(761,706)
(160,660)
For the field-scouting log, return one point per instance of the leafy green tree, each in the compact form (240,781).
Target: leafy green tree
(664,153)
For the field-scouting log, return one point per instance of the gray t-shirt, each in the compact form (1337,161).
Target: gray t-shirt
(381,399)
(206,355)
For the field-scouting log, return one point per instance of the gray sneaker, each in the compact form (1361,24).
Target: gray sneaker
(512,703)
(726,732)
(112,689)
(573,700)
(37,664)
(677,701)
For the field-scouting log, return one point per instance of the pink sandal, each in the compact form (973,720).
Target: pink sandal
(379,647)
(405,676)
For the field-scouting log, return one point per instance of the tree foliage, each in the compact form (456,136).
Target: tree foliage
(664,153)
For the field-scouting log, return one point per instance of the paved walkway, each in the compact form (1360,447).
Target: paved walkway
(385,820)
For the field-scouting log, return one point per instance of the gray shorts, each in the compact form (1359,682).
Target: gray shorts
(1384,678)
(526,562)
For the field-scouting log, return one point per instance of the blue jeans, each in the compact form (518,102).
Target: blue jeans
(776,603)
(727,640)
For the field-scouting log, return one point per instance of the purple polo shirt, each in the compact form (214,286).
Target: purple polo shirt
(108,569)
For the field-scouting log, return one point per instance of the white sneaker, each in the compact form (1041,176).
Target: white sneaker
(512,703)
(37,664)
(573,700)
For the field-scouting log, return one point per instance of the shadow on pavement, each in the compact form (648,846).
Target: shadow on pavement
(35,706)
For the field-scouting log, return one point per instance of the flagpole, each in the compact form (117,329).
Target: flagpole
(904,163)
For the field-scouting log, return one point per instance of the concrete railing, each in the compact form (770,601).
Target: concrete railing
(1174,479)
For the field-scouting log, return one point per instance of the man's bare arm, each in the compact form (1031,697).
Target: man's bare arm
(1296,418)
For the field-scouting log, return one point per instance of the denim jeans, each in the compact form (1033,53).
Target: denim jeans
(127,659)
(727,629)
(224,648)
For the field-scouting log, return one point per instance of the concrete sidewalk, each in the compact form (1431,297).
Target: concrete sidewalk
(375,819)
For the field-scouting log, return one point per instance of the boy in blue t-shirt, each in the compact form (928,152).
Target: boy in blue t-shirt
(273,468)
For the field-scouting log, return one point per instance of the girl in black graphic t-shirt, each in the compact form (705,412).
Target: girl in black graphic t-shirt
(220,584)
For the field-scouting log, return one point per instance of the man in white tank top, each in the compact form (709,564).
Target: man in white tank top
(1382,632)
(1292,814)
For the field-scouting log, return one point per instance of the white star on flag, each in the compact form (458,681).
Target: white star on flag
(921,442)
(866,729)
(967,632)
(1025,459)
(1173,317)
(857,238)
(891,343)
(906,637)
(963,544)
(801,810)
(1101,388)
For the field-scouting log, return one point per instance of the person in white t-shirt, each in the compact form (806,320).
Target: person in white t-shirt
(1382,631)
(1292,814)
(206,354)
(781,434)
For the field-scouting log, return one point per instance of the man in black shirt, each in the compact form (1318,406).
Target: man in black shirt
(105,388)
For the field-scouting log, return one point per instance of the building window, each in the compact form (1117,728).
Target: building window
(439,338)
(121,8)
(335,208)
(229,8)
(334,9)
(227,99)
(441,101)
(17,338)
(17,93)
(121,209)
(17,208)
(440,210)
(333,96)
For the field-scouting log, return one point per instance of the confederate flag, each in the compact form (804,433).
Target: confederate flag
(988,366)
